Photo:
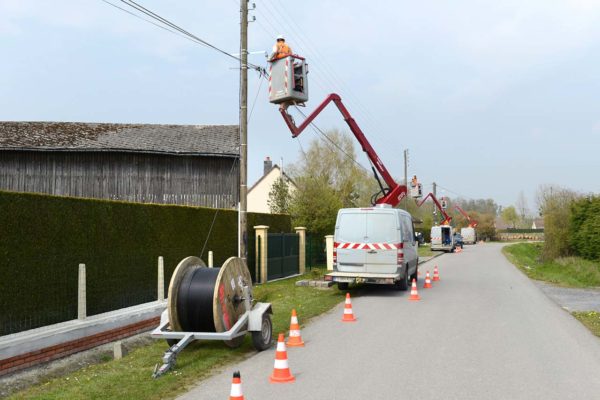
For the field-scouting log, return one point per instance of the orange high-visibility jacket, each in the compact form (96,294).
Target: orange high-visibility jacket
(281,50)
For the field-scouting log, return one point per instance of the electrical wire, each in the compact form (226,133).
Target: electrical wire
(182,32)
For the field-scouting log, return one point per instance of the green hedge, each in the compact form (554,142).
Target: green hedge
(44,238)
(584,230)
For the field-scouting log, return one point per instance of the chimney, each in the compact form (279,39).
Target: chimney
(268,165)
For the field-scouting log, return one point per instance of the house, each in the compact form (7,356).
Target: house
(538,223)
(258,195)
(170,164)
(500,225)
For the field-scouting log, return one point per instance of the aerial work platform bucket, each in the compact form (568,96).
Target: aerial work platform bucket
(288,80)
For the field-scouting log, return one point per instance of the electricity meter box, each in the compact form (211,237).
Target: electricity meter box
(287,80)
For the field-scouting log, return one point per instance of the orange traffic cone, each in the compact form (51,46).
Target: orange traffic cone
(414,295)
(281,370)
(236,387)
(295,339)
(436,274)
(348,314)
(427,284)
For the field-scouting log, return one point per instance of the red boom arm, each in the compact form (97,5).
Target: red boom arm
(447,218)
(396,192)
(472,222)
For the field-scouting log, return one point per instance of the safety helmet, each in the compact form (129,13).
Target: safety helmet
(280,37)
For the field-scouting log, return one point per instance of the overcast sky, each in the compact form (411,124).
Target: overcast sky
(491,97)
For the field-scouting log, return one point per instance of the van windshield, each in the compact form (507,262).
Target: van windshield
(368,227)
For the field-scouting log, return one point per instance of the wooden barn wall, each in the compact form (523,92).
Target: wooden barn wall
(145,178)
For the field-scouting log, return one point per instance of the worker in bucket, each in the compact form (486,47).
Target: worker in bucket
(280,49)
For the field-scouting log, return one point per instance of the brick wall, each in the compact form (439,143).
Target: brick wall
(40,356)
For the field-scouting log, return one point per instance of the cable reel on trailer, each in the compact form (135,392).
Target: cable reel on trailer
(211,304)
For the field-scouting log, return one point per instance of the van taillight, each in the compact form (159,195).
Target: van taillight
(400,256)
(335,256)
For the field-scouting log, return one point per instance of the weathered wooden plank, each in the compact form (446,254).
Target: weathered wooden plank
(147,178)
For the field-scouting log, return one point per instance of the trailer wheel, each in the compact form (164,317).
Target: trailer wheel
(263,339)
(343,285)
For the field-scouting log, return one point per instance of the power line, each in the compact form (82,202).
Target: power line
(165,24)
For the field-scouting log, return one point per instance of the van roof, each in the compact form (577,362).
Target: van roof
(367,209)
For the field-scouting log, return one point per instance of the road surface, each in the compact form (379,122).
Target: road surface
(484,332)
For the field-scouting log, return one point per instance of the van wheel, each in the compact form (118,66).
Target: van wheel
(415,276)
(403,283)
(343,285)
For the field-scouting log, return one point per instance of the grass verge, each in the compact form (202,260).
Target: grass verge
(131,377)
(425,251)
(566,271)
(591,319)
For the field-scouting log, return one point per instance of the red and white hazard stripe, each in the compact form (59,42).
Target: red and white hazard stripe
(368,246)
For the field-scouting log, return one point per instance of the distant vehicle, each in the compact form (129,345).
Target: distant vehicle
(469,235)
(374,245)
(442,238)
(458,240)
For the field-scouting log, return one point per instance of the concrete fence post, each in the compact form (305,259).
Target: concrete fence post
(262,234)
(301,231)
(210,259)
(81,296)
(329,250)
(161,279)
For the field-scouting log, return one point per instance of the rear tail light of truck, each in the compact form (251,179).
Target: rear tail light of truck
(334,256)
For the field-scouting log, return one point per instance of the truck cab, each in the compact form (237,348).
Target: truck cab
(374,245)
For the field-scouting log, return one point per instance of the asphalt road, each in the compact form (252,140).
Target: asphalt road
(572,299)
(484,332)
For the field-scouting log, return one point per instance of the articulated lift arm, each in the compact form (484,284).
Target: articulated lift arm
(472,222)
(394,193)
(447,218)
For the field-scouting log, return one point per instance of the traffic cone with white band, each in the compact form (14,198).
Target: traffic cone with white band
(236,387)
(436,274)
(348,314)
(281,370)
(414,295)
(427,284)
(295,339)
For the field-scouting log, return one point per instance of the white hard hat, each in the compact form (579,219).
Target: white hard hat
(280,37)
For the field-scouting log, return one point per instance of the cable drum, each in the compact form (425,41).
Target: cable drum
(207,299)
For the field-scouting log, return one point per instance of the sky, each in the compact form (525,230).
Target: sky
(491,98)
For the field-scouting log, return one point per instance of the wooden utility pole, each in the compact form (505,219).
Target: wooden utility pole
(434,209)
(406,178)
(243,206)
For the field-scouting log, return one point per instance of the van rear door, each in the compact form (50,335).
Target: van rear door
(349,234)
(382,237)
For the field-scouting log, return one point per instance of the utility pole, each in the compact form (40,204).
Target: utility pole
(406,176)
(434,195)
(243,206)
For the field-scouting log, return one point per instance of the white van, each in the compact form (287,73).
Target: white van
(442,238)
(374,245)
(469,235)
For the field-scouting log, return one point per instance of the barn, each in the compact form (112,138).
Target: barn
(169,164)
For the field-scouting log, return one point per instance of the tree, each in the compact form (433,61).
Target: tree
(328,178)
(279,196)
(555,205)
(509,215)
(521,207)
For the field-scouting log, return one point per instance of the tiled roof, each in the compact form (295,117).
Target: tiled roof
(218,140)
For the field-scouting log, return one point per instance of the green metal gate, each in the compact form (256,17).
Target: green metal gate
(283,251)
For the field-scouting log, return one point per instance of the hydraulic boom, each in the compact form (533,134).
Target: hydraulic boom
(447,218)
(394,192)
(472,222)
